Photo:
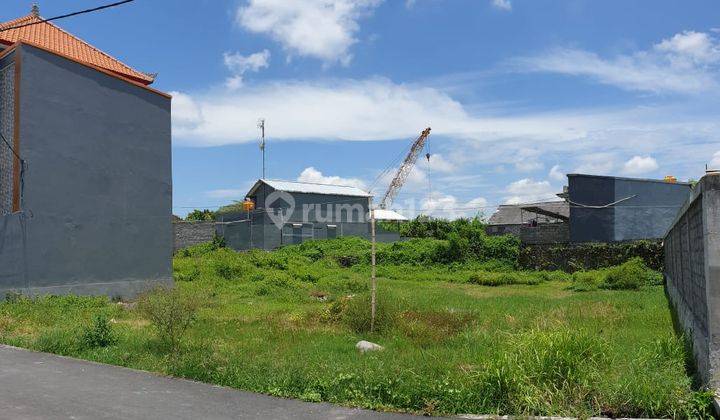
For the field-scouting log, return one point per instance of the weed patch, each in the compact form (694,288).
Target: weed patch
(99,333)
(171,312)
(357,314)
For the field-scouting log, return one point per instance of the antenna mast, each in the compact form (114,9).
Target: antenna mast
(261,126)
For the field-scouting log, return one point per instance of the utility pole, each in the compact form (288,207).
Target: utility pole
(261,126)
(373,290)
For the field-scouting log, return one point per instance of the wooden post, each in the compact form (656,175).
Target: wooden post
(373,289)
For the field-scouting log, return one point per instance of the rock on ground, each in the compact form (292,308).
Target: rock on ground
(365,346)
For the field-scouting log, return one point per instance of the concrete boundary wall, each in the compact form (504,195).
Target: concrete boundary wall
(545,233)
(187,234)
(692,274)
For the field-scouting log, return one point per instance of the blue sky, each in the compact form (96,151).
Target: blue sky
(518,92)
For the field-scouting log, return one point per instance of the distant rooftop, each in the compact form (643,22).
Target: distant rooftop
(512,214)
(389,215)
(628,178)
(310,188)
(32,30)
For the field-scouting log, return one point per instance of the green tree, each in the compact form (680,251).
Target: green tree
(201,216)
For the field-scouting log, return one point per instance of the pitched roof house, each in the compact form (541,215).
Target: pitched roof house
(85,167)
(290,212)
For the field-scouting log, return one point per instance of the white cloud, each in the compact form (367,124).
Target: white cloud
(587,140)
(449,207)
(640,165)
(438,163)
(556,174)
(502,4)
(715,162)
(697,46)
(686,63)
(528,165)
(596,164)
(354,110)
(186,113)
(312,175)
(528,190)
(240,64)
(324,29)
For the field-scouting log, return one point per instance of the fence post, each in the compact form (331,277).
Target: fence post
(373,290)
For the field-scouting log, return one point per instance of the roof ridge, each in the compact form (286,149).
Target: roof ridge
(313,183)
(91,49)
(96,49)
(15,21)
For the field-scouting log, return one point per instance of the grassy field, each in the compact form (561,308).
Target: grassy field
(286,324)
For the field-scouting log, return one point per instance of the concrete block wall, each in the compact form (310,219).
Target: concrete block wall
(497,230)
(550,233)
(692,274)
(187,234)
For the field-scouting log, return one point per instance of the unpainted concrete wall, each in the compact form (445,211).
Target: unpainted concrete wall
(548,233)
(187,234)
(692,274)
(498,230)
(98,193)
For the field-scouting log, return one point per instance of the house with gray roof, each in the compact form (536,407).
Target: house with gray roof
(544,222)
(291,212)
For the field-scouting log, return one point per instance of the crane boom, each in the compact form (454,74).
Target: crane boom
(404,170)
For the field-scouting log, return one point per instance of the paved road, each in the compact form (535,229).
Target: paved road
(44,386)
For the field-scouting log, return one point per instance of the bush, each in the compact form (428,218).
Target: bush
(347,261)
(632,274)
(337,309)
(171,312)
(99,333)
(414,251)
(586,281)
(202,249)
(357,313)
(556,275)
(484,278)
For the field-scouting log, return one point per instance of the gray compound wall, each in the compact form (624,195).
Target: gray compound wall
(186,234)
(692,274)
(548,233)
(96,214)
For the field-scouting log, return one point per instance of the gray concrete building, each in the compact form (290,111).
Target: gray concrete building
(612,209)
(290,212)
(85,170)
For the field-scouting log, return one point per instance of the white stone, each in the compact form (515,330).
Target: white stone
(365,346)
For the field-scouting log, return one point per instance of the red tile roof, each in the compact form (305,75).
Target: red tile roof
(51,37)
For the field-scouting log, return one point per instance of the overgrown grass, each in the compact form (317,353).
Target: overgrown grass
(630,275)
(285,323)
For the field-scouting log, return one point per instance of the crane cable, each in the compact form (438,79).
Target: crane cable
(429,169)
(390,166)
